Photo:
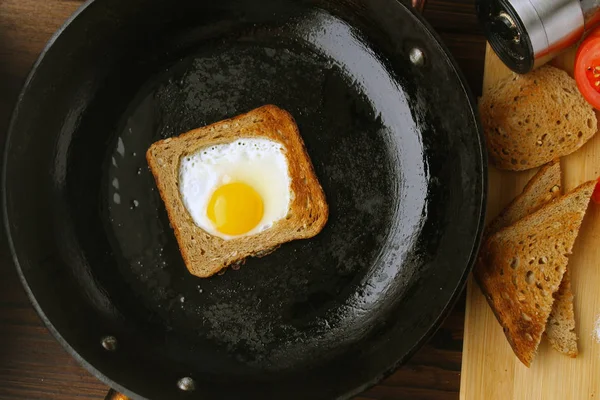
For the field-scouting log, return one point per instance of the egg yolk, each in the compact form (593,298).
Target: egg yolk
(235,208)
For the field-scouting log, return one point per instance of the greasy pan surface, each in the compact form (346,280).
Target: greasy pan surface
(395,145)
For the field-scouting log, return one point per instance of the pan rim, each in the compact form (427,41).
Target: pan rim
(482,159)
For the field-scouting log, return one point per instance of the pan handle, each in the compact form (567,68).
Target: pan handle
(112,395)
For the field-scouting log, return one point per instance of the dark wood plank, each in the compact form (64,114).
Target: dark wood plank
(32,363)
(452,16)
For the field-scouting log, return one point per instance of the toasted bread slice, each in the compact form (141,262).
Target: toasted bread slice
(205,254)
(531,119)
(560,328)
(521,267)
(541,189)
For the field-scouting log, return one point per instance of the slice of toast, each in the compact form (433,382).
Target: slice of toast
(560,328)
(205,254)
(541,189)
(531,119)
(521,267)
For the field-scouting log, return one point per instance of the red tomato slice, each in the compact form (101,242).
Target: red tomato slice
(596,194)
(587,68)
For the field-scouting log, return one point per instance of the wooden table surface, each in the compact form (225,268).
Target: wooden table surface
(34,366)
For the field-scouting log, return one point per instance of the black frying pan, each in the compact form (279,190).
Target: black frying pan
(391,130)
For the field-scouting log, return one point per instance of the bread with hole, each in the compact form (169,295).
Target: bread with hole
(521,267)
(205,254)
(542,188)
(531,119)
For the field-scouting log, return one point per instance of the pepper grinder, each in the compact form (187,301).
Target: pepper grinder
(528,33)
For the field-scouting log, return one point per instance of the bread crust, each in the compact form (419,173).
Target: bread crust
(205,254)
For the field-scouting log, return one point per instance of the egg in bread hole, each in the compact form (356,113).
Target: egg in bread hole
(236,189)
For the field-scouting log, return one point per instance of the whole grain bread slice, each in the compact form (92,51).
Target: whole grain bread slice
(205,254)
(521,267)
(541,189)
(560,328)
(528,120)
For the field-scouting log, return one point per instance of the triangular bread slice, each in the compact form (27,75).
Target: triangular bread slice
(541,189)
(205,254)
(560,328)
(521,267)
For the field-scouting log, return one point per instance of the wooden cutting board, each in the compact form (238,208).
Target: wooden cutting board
(490,370)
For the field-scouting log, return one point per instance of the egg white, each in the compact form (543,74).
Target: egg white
(260,163)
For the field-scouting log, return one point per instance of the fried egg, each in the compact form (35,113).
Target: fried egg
(236,189)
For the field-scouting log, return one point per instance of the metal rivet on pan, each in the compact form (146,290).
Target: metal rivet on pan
(417,57)
(186,384)
(109,343)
